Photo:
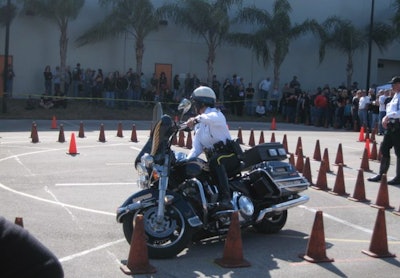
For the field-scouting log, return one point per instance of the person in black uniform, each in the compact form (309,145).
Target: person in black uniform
(22,255)
(391,122)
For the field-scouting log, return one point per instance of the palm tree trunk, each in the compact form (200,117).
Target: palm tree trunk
(349,69)
(139,55)
(63,49)
(210,63)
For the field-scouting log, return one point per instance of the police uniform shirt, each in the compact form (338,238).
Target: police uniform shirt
(210,129)
(393,107)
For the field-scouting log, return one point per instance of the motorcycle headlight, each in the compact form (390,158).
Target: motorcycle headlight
(147,160)
(143,176)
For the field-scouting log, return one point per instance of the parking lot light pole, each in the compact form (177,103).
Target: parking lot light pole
(371,26)
(6,47)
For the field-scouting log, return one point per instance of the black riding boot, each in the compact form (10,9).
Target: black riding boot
(223,187)
(396,180)
(383,168)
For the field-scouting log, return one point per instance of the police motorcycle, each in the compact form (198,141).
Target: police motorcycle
(179,199)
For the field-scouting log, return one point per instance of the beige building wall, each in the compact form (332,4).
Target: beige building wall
(34,43)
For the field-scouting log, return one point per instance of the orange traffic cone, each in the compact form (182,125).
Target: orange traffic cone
(273,137)
(119,131)
(34,135)
(32,129)
(181,141)
(273,124)
(365,162)
(189,141)
(19,221)
(233,253)
(339,187)
(240,138)
(378,247)
(72,145)
(300,161)
(298,146)
(291,160)
(138,260)
(374,151)
(285,143)
(251,140)
(361,135)
(133,134)
(102,137)
(359,189)
(326,159)
(339,156)
(322,183)
(61,137)
(317,152)
(367,148)
(261,141)
(382,200)
(81,133)
(316,247)
(54,123)
(307,170)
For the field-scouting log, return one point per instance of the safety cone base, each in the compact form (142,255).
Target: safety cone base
(372,254)
(358,200)
(72,154)
(338,194)
(137,270)
(381,207)
(316,187)
(396,212)
(318,260)
(223,262)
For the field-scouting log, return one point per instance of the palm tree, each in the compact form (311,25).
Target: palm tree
(396,16)
(344,36)
(59,12)
(136,17)
(273,34)
(208,19)
(7,13)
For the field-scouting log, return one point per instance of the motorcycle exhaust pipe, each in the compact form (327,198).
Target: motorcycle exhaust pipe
(283,206)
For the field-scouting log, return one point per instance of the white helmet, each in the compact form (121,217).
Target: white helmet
(203,96)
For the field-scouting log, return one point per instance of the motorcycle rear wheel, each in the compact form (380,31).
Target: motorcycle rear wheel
(164,240)
(271,225)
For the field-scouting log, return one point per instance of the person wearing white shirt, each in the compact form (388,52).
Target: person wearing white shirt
(391,122)
(363,109)
(264,87)
(210,131)
(383,94)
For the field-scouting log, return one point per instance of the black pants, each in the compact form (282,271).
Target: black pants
(391,139)
(22,255)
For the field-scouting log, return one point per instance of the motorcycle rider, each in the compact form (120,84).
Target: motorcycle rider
(211,135)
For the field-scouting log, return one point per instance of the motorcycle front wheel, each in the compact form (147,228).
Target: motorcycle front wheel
(165,238)
(273,224)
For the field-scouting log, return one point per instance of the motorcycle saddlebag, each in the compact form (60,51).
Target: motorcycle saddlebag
(264,152)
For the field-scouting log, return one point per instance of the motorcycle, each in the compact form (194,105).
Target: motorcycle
(179,199)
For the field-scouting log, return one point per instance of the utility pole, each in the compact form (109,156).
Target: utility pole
(6,47)
(371,26)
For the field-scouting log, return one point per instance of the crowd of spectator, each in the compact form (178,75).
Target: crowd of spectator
(339,107)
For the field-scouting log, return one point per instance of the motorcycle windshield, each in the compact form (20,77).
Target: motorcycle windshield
(161,134)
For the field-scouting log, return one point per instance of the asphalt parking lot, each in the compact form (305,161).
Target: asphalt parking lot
(68,202)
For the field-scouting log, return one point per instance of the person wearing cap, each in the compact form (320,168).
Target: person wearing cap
(211,134)
(391,122)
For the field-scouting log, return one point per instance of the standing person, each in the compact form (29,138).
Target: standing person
(48,77)
(383,94)
(76,80)
(109,88)
(98,86)
(216,86)
(211,131)
(67,76)
(177,85)
(363,105)
(391,122)
(249,99)
(10,80)
(57,81)
(264,88)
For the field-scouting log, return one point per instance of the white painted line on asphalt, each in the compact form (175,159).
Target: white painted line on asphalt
(55,203)
(344,222)
(94,184)
(83,253)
